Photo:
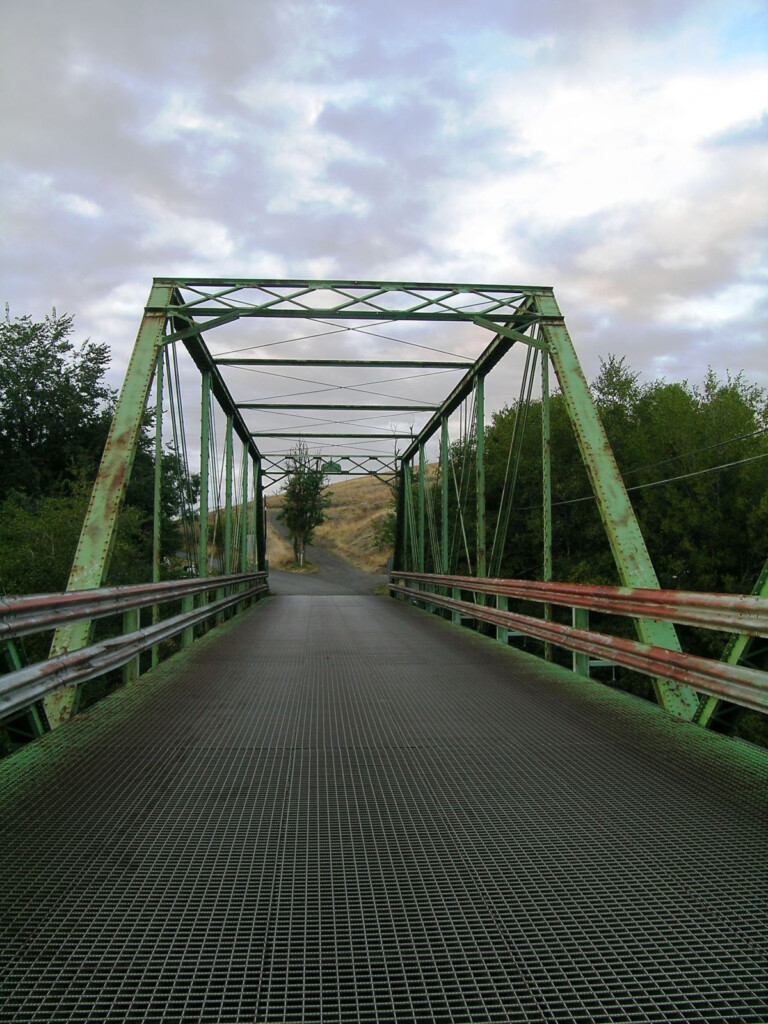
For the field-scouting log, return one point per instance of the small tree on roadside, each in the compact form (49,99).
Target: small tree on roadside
(304,503)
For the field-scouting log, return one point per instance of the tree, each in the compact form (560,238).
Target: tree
(55,411)
(304,503)
(54,405)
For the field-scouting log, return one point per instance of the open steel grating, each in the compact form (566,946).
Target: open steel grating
(345,810)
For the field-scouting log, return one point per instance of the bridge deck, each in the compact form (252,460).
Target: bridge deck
(341,809)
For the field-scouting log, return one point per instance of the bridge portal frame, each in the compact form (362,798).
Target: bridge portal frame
(185,309)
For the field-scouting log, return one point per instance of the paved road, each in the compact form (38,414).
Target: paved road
(336,577)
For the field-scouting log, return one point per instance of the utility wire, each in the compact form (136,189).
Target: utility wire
(657,483)
(696,451)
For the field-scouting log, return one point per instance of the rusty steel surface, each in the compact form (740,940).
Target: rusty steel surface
(34,613)
(20,688)
(745,686)
(342,809)
(739,613)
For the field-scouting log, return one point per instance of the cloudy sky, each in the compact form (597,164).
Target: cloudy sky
(614,149)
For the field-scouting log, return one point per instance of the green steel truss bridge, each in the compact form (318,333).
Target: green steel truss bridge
(314,803)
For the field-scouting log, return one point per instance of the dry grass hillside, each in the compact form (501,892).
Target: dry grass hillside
(355,507)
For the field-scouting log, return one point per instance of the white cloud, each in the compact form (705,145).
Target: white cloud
(706,312)
(80,205)
(168,231)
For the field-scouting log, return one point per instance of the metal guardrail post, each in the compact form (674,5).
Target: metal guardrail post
(131,623)
(502,633)
(580,620)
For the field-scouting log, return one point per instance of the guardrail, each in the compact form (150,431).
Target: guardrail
(732,613)
(20,616)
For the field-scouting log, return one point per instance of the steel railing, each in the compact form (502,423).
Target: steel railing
(732,613)
(20,616)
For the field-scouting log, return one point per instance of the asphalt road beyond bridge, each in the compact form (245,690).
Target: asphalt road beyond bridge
(339,808)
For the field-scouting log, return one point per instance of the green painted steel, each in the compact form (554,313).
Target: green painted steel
(580,620)
(261,522)
(255,513)
(344,300)
(485,362)
(626,541)
(205,442)
(205,364)
(97,536)
(370,364)
(410,519)
(228,500)
(514,314)
(398,555)
(131,624)
(735,650)
(244,513)
(480,473)
(422,483)
(444,471)
(158,481)
(368,437)
(546,479)
(300,406)
(157,504)
(502,633)
(518,335)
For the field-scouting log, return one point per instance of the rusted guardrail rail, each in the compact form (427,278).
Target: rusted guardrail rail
(731,613)
(21,616)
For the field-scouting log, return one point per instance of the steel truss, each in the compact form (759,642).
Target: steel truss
(185,310)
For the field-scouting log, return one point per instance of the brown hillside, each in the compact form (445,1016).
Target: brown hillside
(355,507)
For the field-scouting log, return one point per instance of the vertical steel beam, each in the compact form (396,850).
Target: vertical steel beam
(546,480)
(444,470)
(398,556)
(97,538)
(422,517)
(580,620)
(255,514)
(131,624)
(480,473)
(228,499)
(158,496)
(502,633)
(261,523)
(244,516)
(407,500)
(188,634)
(626,541)
(205,450)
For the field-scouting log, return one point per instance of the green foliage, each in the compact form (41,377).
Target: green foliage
(706,528)
(54,405)
(384,530)
(707,531)
(304,503)
(55,411)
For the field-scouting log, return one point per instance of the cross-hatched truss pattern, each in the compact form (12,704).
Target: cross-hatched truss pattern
(345,810)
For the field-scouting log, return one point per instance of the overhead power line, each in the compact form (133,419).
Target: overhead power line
(657,483)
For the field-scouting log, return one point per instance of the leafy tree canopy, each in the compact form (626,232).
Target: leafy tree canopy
(54,404)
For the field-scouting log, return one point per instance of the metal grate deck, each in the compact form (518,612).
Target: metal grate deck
(342,809)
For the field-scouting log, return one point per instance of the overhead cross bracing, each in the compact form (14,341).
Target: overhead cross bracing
(342,362)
